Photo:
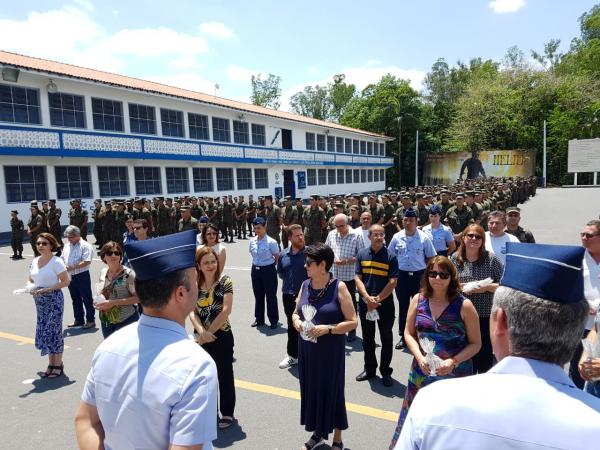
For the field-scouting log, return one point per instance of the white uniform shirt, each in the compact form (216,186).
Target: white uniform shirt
(73,254)
(591,285)
(519,404)
(497,245)
(153,386)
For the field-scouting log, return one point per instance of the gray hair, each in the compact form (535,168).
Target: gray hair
(541,329)
(341,216)
(72,230)
(375,227)
(498,214)
(594,223)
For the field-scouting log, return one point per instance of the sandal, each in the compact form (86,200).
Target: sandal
(225,422)
(339,445)
(46,373)
(52,374)
(314,442)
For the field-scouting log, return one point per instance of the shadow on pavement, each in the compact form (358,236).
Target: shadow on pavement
(69,332)
(230,435)
(397,390)
(264,329)
(42,385)
(354,346)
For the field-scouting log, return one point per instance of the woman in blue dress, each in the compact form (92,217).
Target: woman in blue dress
(321,360)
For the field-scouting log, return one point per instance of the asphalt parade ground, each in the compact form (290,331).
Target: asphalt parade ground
(38,414)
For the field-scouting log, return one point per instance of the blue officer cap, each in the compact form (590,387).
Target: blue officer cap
(410,212)
(154,258)
(203,219)
(435,209)
(258,221)
(550,272)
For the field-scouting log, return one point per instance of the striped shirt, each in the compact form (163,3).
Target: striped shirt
(73,254)
(344,247)
(376,268)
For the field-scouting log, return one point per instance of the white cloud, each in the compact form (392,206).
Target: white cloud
(506,6)
(216,29)
(240,74)
(373,62)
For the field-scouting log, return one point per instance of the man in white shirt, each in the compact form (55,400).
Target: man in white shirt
(151,386)
(496,238)
(366,219)
(526,401)
(77,255)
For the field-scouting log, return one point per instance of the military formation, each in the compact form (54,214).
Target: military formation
(461,204)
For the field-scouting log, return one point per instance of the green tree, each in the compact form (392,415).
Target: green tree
(266,92)
(312,101)
(340,94)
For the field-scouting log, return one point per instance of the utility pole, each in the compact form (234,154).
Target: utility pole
(417,160)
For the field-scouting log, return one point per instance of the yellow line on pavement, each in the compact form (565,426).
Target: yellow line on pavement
(262,388)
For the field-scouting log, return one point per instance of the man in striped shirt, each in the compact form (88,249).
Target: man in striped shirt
(376,277)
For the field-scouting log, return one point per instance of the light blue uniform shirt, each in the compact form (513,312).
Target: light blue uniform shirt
(153,386)
(263,251)
(440,236)
(412,251)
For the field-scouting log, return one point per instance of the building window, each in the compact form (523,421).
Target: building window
(172,122)
(355,147)
(224,179)
(147,180)
(347,145)
(348,176)
(310,141)
(198,126)
(363,148)
(66,110)
(25,183)
(369,148)
(339,144)
(330,176)
(356,176)
(142,119)
(244,178)
(221,130)
(113,181)
(177,180)
(73,182)
(370,175)
(322,173)
(331,143)
(363,175)
(311,177)
(258,135)
(381,174)
(203,179)
(240,132)
(382,149)
(19,105)
(376,175)
(261,179)
(107,115)
(321,142)
(340,176)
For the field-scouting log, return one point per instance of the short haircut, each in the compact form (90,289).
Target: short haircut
(445,264)
(72,230)
(498,214)
(292,228)
(541,329)
(374,227)
(594,223)
(142,222)
(110,246)
(320,252)
(54,245)
(341,216)
(156,292)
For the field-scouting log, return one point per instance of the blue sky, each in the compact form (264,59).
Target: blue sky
(196,44)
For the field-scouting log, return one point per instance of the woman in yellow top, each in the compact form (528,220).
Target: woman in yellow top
(211,326)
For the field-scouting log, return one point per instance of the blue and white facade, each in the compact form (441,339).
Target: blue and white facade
(63,137)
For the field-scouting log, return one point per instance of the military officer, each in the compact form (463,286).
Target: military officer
(376,210)
(195,209)
(459,216)
(422,210)
(476,208)
(35,226)
(445,203)
(250,214)
(300,209)
(53,221)
(108,222)
(187,222)
(120,217)
(290,217)
(273,219)
(513,217)
(228,219)
(79,217)
(241,211)
(141,212)
(389,226)
(163,217)
(97,217)
(314,221)
(16,235)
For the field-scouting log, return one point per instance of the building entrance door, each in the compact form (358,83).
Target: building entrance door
(289,185)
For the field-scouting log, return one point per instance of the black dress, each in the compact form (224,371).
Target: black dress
(322,367)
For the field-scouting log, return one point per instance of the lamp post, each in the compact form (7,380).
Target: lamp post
(399,119)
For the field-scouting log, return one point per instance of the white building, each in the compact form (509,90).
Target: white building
(68,131)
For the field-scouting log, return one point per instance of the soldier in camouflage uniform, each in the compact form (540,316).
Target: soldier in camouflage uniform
(513,217)
(273,219)
(476,208)
(290,217)
(376,210)
(389,226)
(163,218)
(17,229)
(97,217)
(459,216)
(79,217)
(422,210)
(53,222)
(195,209)
(354,220)
(187,222)
(314,221)
(175,215)
(241,211)
(141,212)
(35,226)
(300,208)
(328,215)
(120,218)
(250,214)
(108,222)
(445,203)
(227,219)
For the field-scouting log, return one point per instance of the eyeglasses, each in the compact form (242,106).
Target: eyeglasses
(435,274)
(113,253)
(589,235)
(43,244)
(474,236)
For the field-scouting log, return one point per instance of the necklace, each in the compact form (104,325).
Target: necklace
(317,294)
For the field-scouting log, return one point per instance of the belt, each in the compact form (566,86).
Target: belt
(259,267)
(411,274)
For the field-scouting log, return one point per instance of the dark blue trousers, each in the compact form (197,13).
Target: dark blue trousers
(264,286)
(80,289)
(408,285)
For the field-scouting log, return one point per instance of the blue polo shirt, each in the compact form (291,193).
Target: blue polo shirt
(412,251)
(291,270)
(263,251)
(440,236)
(376,269)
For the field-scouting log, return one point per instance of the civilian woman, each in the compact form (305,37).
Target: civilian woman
(321,364)
(118,284)
(49,275)
(442,315)
(212,328)
(475,263)
(202,221)
(210,238)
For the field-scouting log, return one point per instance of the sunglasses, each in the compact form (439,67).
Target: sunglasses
(43,244)
(474,236)
(588,235)
(435,274)
(113,253)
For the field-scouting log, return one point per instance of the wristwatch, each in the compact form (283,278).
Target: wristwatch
(330,328)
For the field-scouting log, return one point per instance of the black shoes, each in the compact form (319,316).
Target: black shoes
(256,323)
(273,326)
(75,324)
(400,345)
(351,336)
(387,381)
(363,376)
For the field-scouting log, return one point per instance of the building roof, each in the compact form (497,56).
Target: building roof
(83,73)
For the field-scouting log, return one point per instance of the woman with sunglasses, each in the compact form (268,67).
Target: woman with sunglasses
(440,313)
(475,263)
(210,238)
(211,326)
(321,362)
(49,274)
(118,288)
